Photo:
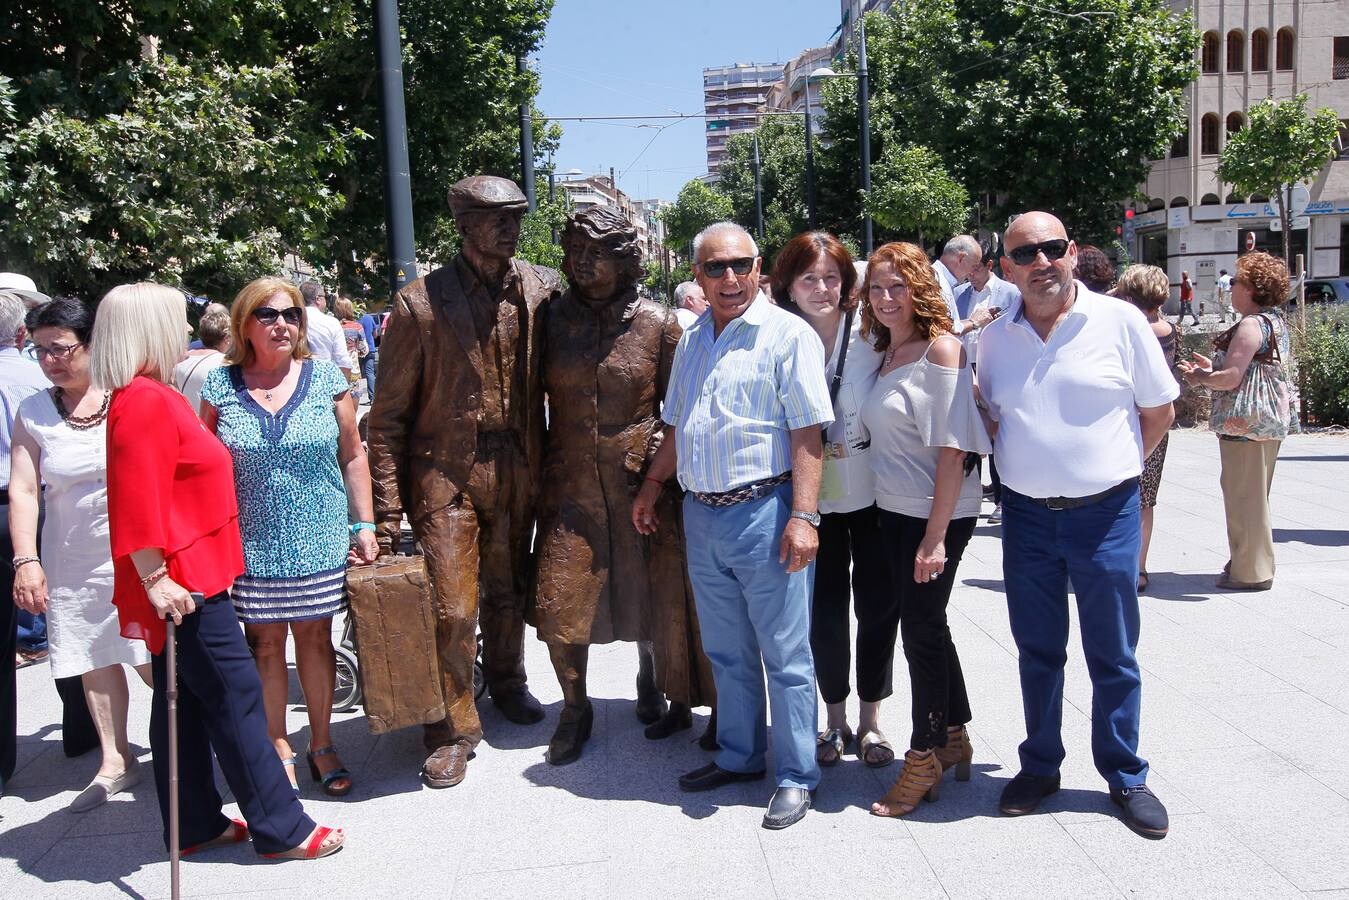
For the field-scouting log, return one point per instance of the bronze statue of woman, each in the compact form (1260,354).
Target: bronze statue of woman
(606,355)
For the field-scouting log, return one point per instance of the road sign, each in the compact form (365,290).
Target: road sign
(1250,240)
(1297,223)
(1300,197)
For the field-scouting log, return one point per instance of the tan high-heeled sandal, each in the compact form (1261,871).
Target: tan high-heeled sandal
(920,778)
(958,752)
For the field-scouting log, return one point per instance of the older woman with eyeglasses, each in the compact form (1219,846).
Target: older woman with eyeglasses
(60,440)
(300,476)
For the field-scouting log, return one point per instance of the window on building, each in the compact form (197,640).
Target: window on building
(1155,204)
(1235,122)
(1210,200)
(1283,50)
(1179,201)
(1339,68)
(1236,51)
(1260,50)
(1208,135)
(1342,142)
(1234,198)
(1180,147)
(1209,57)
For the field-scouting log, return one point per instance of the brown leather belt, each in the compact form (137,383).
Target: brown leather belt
(752,491)
(1062,503)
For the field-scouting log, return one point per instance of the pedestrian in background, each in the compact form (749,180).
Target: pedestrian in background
(372,323)
(1094,269)
(1186,300)
(1253,409)
(813,276)
(214,331)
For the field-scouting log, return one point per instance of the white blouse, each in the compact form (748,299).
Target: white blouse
(846,483)
(913,412)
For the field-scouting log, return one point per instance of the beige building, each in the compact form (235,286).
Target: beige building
(1250,50)
(789,93)
(732,97)
(598,190)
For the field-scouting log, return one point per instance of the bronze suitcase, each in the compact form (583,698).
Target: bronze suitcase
(391,607)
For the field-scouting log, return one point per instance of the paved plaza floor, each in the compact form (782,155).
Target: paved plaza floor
(1245,722)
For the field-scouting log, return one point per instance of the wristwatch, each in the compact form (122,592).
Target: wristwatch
(812,517)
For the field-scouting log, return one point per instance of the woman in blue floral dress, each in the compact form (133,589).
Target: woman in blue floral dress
(304,505)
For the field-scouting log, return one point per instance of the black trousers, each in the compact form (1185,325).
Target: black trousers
(852,539)
(78,735)
(220,710)
(939,697)
(994,479)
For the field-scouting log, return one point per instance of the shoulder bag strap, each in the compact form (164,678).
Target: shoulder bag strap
(837,381)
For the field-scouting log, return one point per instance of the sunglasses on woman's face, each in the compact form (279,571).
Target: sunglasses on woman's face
(1025,254)
(267,315)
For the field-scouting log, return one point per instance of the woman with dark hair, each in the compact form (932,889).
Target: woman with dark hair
(1147,288)
(605,360)
(1094,269)
(174,530)
(60,441)
(924,429)
(813,276)
(1251,354)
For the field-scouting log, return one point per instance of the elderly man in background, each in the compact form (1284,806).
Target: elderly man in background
(1079,392)
(689,303)
(959,257)
(743,413)
(323,332)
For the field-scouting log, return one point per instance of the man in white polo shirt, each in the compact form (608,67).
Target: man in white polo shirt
(1080,394)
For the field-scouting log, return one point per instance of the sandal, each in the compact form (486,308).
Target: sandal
(316,847)
(874,750)
(830,745)
(1142,580)
(335,782)
(237,833)
(920,778)
(290,776)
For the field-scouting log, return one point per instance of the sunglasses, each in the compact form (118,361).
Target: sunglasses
(267,315)
(717,268)
(1025,255)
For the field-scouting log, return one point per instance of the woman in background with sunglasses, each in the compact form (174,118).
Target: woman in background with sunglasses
(305,508)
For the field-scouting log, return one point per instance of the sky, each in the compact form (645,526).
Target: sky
(646,57)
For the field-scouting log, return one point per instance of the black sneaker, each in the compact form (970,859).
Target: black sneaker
(1143,812)
(1024,793)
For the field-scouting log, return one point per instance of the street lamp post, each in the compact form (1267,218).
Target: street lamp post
(810,158)
(394,134)
(864,123)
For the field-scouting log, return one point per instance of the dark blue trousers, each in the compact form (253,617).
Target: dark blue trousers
(1096,548)
(220,710)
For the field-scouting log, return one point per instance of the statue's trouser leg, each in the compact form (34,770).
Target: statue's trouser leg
(507,532)
(569,662)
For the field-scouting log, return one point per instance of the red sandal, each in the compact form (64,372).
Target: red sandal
(314,848)
(237,834)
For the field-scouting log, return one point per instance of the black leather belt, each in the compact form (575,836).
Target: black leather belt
(752,491)
(1062,503)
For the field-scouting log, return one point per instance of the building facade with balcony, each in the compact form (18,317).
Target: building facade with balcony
(1193,222)
(732,98)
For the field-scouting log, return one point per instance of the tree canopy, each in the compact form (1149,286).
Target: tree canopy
(200,142)
(696,207)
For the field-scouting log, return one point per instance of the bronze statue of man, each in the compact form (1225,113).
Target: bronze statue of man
(455,442)
(605,359)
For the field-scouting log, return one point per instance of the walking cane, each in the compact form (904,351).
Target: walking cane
(171,660)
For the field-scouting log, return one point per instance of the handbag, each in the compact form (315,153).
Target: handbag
(1263,406)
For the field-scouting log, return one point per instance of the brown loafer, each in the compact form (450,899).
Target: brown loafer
(447,766)
(1228,583)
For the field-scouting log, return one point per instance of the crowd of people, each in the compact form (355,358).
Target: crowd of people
(805,446)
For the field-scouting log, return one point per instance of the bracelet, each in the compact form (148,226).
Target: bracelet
(362,526)
(155,577)
(24,560)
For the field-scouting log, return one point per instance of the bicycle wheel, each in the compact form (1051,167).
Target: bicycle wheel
(347,685)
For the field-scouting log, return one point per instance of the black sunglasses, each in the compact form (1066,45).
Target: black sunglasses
(717,267)
(1025,255)
(267,315)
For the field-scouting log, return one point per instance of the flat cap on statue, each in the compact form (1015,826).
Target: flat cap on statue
(485,192)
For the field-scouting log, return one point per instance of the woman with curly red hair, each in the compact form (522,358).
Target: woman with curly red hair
(1253,409)
(924,427)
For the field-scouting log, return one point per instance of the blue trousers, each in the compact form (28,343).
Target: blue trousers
(1096,548)
(32,633)
(368,367)
(755,617)
(220,710)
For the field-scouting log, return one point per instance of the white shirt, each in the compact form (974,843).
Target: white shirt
(685,317)
(846,482)
(947,282)
(190,374)
(20,378)
(1067,409)
(997,294)
(326,340)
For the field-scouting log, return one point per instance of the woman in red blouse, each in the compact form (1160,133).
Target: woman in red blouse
(176,551)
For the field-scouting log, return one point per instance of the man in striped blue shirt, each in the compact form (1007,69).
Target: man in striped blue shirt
(746,402)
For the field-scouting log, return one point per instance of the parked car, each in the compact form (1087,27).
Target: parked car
(1325,290)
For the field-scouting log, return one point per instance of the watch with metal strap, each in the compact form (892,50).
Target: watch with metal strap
(812,517)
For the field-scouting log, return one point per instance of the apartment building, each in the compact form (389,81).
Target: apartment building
(1193,222)
(732,96)
(789,93)
(598,190)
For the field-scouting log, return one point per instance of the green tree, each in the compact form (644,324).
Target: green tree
(137,147)
(696,207)
(1283,145)
(913,194)
(1053,104)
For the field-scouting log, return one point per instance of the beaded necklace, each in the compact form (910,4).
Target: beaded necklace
(81,423)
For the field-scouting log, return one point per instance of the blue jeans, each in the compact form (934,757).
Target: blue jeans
(368,367)
(1096,547)
(32,633)
(755,617)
